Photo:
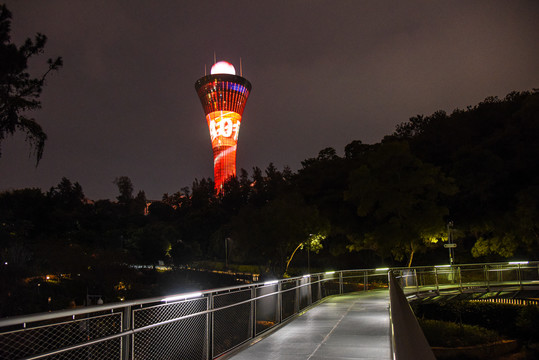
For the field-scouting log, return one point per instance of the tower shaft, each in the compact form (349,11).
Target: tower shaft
(223,98)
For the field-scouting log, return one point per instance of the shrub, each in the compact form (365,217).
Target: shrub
(450,334)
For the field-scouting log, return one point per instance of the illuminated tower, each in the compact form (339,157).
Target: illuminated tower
(223,95)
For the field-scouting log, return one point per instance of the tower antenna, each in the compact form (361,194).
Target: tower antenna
(214,58)
(241,71)
(205,70)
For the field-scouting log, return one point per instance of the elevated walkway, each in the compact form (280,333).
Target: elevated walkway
(332,315)
(351,326)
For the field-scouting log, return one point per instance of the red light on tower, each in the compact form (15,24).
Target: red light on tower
(223,95)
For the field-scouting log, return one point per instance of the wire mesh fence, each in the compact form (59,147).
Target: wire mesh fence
(182,336)
(42,338)
(208,324)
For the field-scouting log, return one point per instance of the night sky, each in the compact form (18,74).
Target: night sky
(324,73)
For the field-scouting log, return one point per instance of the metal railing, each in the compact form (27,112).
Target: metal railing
(208,324)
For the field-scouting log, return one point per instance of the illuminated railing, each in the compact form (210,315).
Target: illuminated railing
(208,324)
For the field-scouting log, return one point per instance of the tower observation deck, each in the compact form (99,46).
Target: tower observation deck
(223,95)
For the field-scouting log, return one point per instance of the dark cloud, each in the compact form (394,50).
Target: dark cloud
(324,73)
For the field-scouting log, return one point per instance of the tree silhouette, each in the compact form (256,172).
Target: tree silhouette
(19,92)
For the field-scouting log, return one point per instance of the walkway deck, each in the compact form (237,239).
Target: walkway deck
(346,327)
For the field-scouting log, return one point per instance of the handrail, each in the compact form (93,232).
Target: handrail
(407,338)
(225,315)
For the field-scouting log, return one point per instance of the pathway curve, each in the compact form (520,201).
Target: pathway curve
(345,327)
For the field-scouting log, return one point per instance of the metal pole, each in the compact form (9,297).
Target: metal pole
(436,280)
(127,341)
(209,327)
(416,282)
(253,312)
(309,257)
(487,280)
(279,302)
(296,300)
(519,278)
(365,280)
(450,241)
(460,278)
(226,253)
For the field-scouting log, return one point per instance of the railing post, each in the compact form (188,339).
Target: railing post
(519,278)
(319,287)
(127,341)
(365,279)
(310,293)
(487,280)
(460,279)
(279,302)
(340,283)
(209,327)
(296,300)
(253,312)
(436,280)
(416,282)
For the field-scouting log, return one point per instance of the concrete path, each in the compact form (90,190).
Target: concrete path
(352,326)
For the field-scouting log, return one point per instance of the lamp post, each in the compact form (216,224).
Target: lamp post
(450,242)
(226,252)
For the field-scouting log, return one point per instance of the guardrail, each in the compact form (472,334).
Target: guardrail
(208,324)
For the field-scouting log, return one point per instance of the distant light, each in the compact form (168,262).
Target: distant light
(272,282)
(518,262)
(381,269)
(223,67)
(306,276)
(182,297)
(5,263)
(330,272)
(442,266)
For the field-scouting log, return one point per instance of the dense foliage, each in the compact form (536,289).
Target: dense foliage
(511,321)
(388,202)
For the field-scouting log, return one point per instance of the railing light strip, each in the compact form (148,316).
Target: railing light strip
(182,297)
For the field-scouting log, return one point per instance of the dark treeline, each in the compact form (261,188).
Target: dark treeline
(473,172)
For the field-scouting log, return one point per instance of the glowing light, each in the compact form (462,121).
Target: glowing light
(272,282)
(306,276)
(182,297)
(224,129)
(223,99)
(442,266)
(223,67)
(518,262)
(330,272)
(382,269)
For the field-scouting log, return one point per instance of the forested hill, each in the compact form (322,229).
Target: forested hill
(492,152)
(474,172)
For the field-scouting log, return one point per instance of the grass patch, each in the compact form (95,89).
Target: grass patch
(450,334)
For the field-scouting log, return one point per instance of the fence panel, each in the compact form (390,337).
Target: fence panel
(181,339)
(45,338)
